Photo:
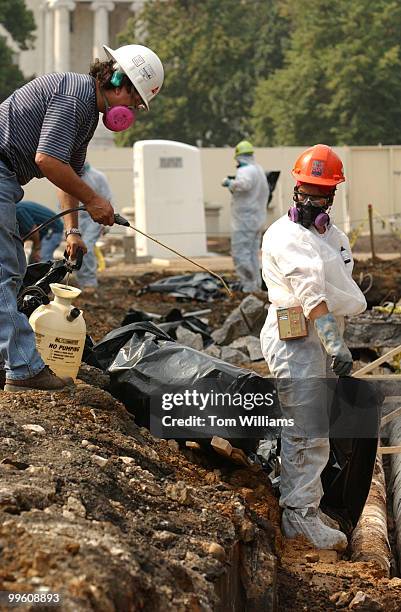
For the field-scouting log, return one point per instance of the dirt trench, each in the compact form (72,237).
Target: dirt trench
(97,509)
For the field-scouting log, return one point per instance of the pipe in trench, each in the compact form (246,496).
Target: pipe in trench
(395,440)
(369,540)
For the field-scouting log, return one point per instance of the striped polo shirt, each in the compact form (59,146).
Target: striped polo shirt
(55,114)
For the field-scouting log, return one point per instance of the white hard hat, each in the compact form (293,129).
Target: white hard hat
(142,66)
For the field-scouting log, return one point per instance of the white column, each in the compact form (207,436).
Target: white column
(48,64)
(135,7)
(62,10)
(101,10)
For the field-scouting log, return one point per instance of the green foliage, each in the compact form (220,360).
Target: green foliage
(340,81)
(19,22)
(213,53)
(11,76)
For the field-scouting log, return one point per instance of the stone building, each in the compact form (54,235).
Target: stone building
(70,33)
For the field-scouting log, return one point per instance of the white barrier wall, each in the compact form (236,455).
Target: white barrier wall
(168,198)
(373,176)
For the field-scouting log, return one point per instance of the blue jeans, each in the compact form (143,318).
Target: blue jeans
(18,352)
(49,244)
(90,231)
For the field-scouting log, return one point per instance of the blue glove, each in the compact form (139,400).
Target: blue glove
(226,183)
(334,345)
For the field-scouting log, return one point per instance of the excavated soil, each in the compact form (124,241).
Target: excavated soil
(96,509)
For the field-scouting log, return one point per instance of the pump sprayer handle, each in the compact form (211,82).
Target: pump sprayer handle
(120,220)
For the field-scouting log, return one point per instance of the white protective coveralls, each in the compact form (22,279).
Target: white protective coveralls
(302,267)
(91,230)
(250,193)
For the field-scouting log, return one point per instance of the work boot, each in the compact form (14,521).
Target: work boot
(307,522)
(2,378)
(46,380)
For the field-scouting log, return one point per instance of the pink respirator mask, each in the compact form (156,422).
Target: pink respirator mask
(118,118)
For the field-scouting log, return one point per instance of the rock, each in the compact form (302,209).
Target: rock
(92,447)
(66,454)
(254,349)
(101,461)
(250,345)
(179,492)
(93,376)
(8,502)
(34,428)
(13,463)
(173,444)
(365,603)
(312,557)
(213,350)
(217,551)
(151,489)
(75,507)
(84,443)
(239,510)
(344,599)
(189,338)
(233,355)
(164,537)
(334,596)
(328,556)
(247,318)
(369,329)
(247,531)
(127,460)
(395,582)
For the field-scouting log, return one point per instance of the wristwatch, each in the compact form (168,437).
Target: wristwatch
(72,230)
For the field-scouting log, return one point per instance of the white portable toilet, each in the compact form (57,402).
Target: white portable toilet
(168,198)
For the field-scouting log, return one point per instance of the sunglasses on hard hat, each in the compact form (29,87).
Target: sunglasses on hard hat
(315,200)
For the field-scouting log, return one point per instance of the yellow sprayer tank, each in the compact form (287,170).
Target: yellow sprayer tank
(60,331)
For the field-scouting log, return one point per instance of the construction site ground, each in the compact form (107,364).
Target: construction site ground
(96,509)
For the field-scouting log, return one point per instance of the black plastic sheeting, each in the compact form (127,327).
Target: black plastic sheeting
(347,477)
(144,362)
(169,323)
(201,286)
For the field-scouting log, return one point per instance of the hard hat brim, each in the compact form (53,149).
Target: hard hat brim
(112,56)
(314,180)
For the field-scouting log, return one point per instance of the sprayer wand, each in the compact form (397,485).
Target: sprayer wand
(119,220)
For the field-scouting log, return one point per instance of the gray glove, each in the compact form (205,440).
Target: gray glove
(334,345)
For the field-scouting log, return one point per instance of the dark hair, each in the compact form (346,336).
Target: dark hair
(103,72)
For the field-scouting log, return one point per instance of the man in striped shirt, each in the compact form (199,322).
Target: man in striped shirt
(45,129)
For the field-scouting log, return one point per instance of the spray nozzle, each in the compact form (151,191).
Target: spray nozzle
(120,220)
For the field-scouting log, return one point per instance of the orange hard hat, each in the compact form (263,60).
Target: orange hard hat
(319,165)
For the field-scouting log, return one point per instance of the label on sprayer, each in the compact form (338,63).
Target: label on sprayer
(59,353)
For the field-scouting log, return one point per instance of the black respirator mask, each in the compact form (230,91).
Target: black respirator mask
(309,211)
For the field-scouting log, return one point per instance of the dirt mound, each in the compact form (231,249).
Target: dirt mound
(99,511)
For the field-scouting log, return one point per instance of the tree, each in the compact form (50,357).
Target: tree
(19,22)
(213,53)
(339,82)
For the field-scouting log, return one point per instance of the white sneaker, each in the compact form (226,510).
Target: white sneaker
(307,522)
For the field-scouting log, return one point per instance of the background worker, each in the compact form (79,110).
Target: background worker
(44,242)
(45,128)
(250,194)
(90,230)
(307,262)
